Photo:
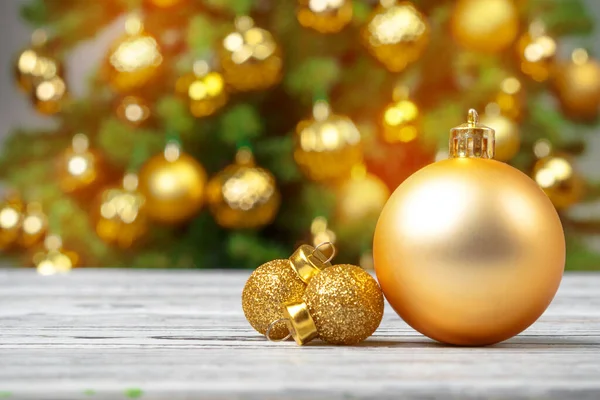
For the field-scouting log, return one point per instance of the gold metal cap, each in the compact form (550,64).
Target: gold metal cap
(300,323)
(308,261)
(472,140)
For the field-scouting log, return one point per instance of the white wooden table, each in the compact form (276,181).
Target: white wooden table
(119,334)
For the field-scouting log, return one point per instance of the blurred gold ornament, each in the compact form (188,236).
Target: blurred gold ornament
(36,64)
(460,242)
(276,283)
(507,136)
(396,34)
(118,215)
(133,110)
(559,179)
(243,195)
(360,197)
(485,26)
(250,57)
(327,145)
(11,220)
(320,232)
(536,51)
(341,305)
(173,184)
(578,86)
(33,227)
(325,16)
(79,168)
(203,89)
(511,98)
(401,119)
(133,60)
(164,3)
(48,95)
(54,259)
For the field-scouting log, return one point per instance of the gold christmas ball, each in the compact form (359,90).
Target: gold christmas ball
(511,99)
(48,95)
(361,197)
(133,60)
(460,242)
(401,122)
(173,184)
(203,89)
(325,16)
(79,168)
(485,26)
(508,138)
(164,3)
(536,51)
(134,111)
(396,34)
(11,220)
(53,258)
(578,86)
(243,195)
(35,63)
(33,227)
(118,214)
(250,57)
(327,146)
(345,303)
(559,179)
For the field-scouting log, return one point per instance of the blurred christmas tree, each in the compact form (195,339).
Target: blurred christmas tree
(225,132)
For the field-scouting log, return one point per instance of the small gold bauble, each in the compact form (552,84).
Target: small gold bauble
(459,243)
(396,34)
(173,184)
(327,146)
(33,227)
(559,179)
(48,95)
(79,168)
(11,220)
(361,197)
(511,98)
(485,26)
(53,258)
(250,57)
(133,110)
(243,195)
(325,16)
(578,86)
(133,60)
(118,215)
(536,52)
(508,138)
(35,63)
(203,89)
(401,119)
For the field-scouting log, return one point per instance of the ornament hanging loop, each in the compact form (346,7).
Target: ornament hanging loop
(271,326)
(333,251)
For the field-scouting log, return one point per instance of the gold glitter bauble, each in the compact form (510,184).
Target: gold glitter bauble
(48,95)
(203,89)
(360,198)
(53,258)
(243,195)
(559,179)
(134,111)
(173,184)
(36,64)
(401,122)
(345,303)
(327,146)
(508,138)
(325,16)
(133,60)
(578,86)
(118,215)
(536,52)
(11,220)
(396,34)
(79,168)
(485,26)
(250,57)
(468,250)
(511,99)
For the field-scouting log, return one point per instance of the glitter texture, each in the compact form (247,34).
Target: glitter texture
(346,304)
(268,288)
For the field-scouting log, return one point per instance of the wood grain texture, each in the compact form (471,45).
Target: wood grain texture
(118,334)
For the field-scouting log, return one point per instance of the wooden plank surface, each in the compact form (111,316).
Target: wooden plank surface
(119,334)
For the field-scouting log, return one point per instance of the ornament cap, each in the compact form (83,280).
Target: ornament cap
(472,140)
(300,323)
(308,261)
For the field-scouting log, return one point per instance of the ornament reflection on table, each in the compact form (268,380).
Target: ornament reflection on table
(79,168)
(203,89)
(536,51)
(396,34)
(325,16)
(460,242)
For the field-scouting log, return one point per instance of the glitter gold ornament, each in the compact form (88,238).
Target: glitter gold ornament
(118,215)
(401,120)
(79,168)
(361,197)
(173,184)
(203,89)
(11,219)
(279,282)
(536,51)
(243,195)
(35,63)
(133,110)
(560,180)
(511,99)
(48,95)
(485,26)
(325,16)
(396,34)
(327,145)
(578,86)
(341,305)
(507,136)
(460,242)
(133,60)
(250,57)
(54,259)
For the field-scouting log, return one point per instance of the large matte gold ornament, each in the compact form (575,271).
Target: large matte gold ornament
(327,145)
(560,180)
(396,34)
(173,184)
(243,195)
(325,16)
(250,57)
(203,89)
(488,26)
(469,251)
(36,63)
